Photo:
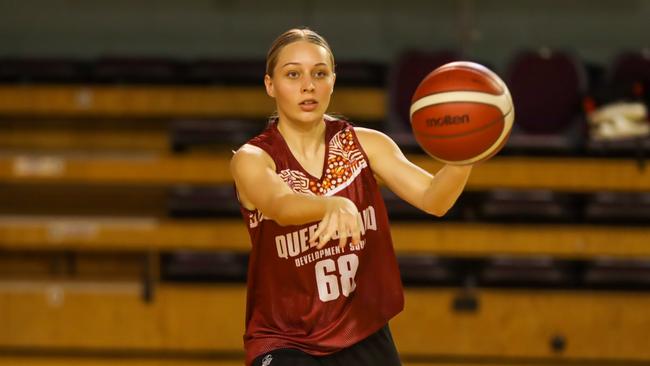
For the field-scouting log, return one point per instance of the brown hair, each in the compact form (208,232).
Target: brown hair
(291,36)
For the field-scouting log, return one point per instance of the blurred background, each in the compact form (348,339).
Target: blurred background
(121,239)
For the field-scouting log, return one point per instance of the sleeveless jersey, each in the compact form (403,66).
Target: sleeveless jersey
(320,301)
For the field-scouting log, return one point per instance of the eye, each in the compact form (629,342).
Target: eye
(292,74)
(321,74)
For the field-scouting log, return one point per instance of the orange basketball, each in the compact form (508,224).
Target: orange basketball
(461,113)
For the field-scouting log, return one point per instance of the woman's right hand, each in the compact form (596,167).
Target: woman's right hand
(341,216)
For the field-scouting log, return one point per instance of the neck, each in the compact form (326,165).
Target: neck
(303,138)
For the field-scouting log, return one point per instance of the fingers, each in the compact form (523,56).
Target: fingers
(346,222)
(321,228)
(351,229)
(329,231)
(343,236)
(356,231)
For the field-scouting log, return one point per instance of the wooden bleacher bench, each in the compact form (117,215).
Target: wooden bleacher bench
(455,239)
(549,325)
(561,174)
(81,200)
(364,103)
(92,135)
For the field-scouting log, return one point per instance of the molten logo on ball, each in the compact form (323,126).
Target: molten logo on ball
(443,103)
(447,120)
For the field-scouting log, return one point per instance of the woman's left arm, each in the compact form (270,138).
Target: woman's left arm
(432,194)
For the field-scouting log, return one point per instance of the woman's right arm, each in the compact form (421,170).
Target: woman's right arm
(259,186)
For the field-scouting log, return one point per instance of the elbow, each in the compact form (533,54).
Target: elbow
(439,208)
(437,212)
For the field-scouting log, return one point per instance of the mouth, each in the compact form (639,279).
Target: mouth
(308,105)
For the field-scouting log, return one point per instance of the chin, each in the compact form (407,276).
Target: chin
(309,117)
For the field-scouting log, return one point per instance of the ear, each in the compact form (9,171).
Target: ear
(333,82)
(268,83)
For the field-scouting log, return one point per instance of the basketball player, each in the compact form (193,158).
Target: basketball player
(323,280)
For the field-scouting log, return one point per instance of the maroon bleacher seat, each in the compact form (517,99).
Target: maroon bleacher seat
(547,88)
(631,66)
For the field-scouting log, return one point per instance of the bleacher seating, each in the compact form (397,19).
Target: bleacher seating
(523,325)
(116,196)
(561,174)
(631,66)
(547,88)
(617,207)
(529,205)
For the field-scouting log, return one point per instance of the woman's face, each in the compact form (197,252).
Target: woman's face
(302,82)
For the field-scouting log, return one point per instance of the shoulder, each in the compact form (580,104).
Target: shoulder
(370,134)
(250,156)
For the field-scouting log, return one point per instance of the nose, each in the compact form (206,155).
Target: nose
(308,85)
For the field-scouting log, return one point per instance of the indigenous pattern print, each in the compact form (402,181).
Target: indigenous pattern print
(344,162)
(296,180)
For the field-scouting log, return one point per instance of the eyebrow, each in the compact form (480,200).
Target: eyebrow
(298,63)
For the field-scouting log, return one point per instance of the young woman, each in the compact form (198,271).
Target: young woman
(323,280)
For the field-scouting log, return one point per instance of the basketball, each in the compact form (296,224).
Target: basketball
(461,113)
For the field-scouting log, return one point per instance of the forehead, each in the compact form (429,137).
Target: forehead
(303,52)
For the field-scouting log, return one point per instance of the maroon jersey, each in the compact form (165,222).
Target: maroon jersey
(320,301)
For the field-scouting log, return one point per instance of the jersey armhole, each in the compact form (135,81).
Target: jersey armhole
(240,201)
(363,152)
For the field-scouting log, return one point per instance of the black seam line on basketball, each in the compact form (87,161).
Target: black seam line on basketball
(456,102)
(464,133)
